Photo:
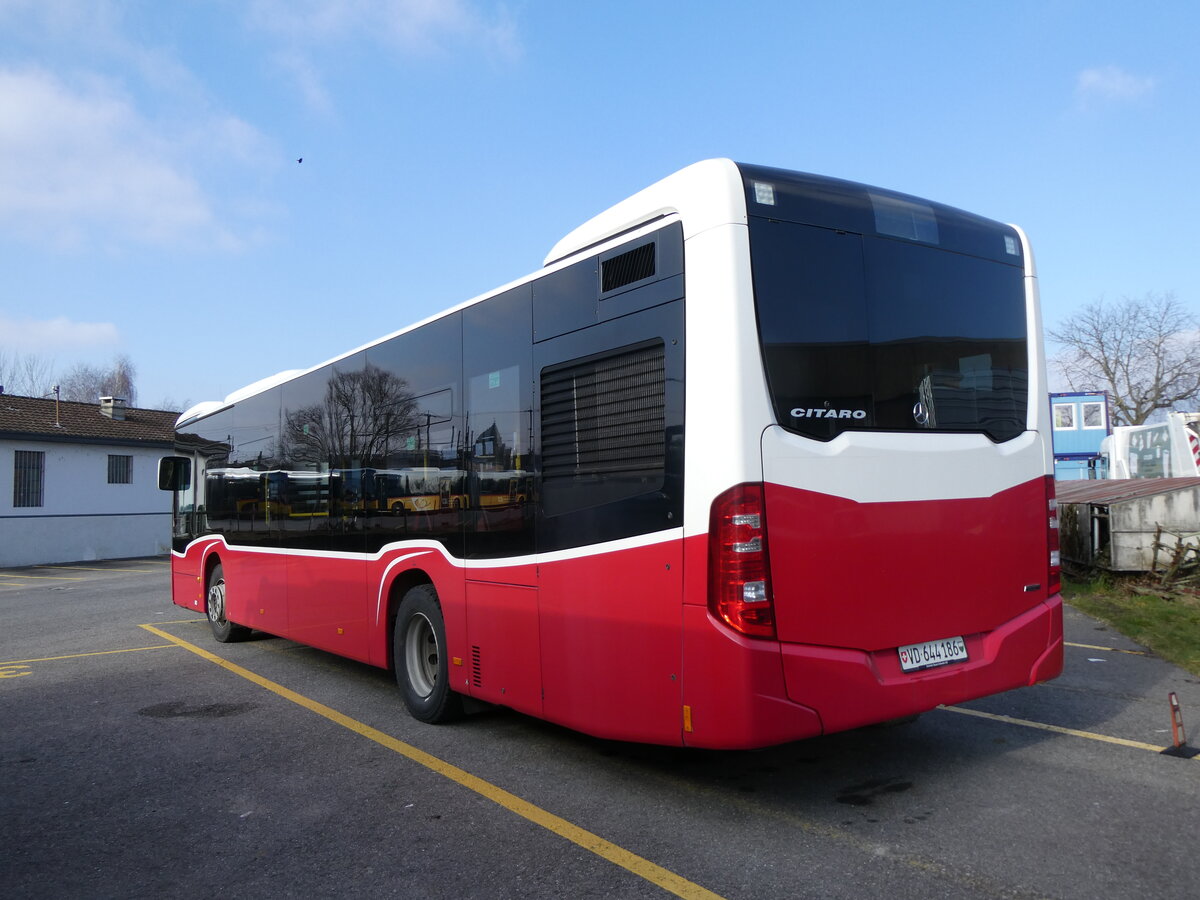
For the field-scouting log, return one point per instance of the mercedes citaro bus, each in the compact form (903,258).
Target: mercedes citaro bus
(757,455)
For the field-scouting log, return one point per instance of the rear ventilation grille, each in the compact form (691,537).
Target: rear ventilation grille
(632,265)
(605,416)
(603,429)
(476,668)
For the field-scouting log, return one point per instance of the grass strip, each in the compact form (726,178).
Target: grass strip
(1166,622)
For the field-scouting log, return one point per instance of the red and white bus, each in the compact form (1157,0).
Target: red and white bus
(776,461)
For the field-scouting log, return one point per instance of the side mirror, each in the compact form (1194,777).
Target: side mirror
(174,473)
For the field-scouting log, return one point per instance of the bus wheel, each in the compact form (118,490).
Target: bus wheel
(419,652)
(223,630)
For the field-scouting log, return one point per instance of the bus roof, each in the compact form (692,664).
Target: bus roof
(704,195)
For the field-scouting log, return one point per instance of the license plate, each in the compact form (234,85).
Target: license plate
(932,653)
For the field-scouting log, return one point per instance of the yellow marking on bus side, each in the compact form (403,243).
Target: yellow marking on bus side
(16,662)
(1057,729)
(1109,649)
(593,843)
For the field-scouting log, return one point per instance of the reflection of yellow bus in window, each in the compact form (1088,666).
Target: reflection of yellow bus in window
(420,489)
(352,491)
(503,488)
(242,493)
(306,494)
(245,493)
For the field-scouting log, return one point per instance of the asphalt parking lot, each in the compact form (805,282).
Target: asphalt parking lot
(140,758)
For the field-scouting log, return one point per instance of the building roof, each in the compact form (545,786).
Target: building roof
(1114,490)
(36,418)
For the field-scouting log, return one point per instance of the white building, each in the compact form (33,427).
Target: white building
(78,481)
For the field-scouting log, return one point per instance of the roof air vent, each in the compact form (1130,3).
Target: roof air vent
(632,265)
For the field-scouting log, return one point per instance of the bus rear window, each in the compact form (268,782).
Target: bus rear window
(870,332)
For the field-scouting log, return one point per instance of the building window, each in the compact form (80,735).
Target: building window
(1064,417)
(29,475)
(1093,415)
(120,469)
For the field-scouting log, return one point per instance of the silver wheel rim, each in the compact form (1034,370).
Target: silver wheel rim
(216,602)
(421,655)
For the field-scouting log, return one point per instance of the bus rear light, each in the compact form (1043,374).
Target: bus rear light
(754,592)
(739,590)
(1054,577)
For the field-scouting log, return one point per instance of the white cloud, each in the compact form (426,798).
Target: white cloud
(412,28)
(80,164)
(1111,83)
(304,74)
(57,334)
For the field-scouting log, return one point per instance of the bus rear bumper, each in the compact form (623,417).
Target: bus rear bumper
(734,693)
(851,688)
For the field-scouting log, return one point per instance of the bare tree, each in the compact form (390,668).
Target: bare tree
(87,384)
(26,374)
(1145,352)
(171,404)
(364,413)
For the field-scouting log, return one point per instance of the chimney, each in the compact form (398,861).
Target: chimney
(113,407)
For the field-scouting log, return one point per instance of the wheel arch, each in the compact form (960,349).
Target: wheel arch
(211,561)
(401,584)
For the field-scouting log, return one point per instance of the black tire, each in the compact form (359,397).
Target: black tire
(419,655)
(214,604)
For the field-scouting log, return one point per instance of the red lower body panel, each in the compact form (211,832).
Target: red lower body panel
(880,575)
(619,645)
(855,687)
(734,693)
(610,643)
(742,693)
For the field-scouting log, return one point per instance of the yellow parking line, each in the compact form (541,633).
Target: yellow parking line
(1109,649)
(97,568)
(1058,729)
(43,577)
(593,843)
(15,662)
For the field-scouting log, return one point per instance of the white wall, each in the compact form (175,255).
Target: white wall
(83,517)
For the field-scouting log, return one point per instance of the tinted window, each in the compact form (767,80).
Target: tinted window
(417,483)
(863,331)
(240,496)
(845,206)
(497,361)
(333,423)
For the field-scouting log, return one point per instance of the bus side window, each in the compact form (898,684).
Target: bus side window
(498,356)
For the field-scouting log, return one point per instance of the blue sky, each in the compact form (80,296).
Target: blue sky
(151,202)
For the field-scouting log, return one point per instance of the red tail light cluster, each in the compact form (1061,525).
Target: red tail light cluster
(1054,579)
(739,583)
